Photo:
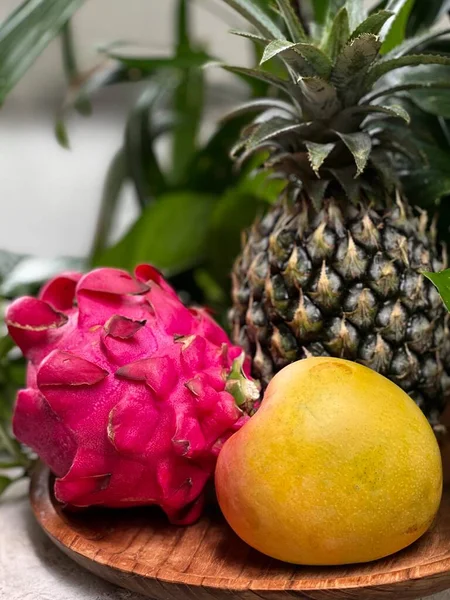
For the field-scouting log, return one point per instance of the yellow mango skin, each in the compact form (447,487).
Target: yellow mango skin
(338,466)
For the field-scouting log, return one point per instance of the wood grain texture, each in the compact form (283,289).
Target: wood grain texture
(138,549)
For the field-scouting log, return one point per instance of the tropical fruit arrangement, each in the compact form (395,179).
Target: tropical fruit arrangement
(318,421)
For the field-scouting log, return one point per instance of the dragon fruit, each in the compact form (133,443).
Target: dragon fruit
(130,395)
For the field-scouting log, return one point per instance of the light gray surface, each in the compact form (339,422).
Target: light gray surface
(32,568)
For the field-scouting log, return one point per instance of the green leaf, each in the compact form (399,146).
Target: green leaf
(391,90)
(360,145)
(320,8)
(148,63)
(287,52)
(356,13)
(26,33)
(393,110)
(354,60)
(435,102)
(317,63)
(384,67)
(258,105)
(5,482)
(271,129)
(394,32)
(442,282)
(264,76)
(253,37)
(426,187)
(316,189)
(419,41)
(294,26)
(337,36)
(373,24)
(255,16)
(140,137)
(346,179)
(83,106)
(425,14)
(317,153)
(233,213)
(171,234)
(115,179)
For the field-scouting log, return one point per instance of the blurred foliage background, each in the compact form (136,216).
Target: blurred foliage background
(193,203)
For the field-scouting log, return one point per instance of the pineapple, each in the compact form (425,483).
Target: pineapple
(335,267)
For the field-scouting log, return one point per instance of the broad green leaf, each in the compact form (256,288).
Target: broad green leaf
(257,17)
(382,68)
(317,153)
(233,213)
(318,59)
(425,14)
(115,179)
(426,187)
(337,36)
(354,60)
(293,23)
(319,98)
(31,272)
(372,24)
(360,145)
(170,233)
(356,13)
(26,33)
(146,63)
(317,63)
(442,282)
(9,260)
(394,31)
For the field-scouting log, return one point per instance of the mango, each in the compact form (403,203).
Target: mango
(338,466)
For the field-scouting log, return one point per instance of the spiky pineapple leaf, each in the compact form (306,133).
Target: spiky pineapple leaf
(360,145)
(264,76)
(411,60)
(317,153)
(393,110)
(441,281)
(257,17)
(259,104)
(337,36)
(254,37)
(271,129)
(436,102)
(356,13)
(354,60)
(393,33)
(418,41)
(316,189)
(425,14)
(320,61)
(350,185)
(320,8)
(319,98)
(391,90)
(287,51)
(293,24)
(372,24)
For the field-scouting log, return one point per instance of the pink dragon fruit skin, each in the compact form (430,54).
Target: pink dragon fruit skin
(126,399)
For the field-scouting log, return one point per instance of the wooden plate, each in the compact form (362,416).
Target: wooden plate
(137,549)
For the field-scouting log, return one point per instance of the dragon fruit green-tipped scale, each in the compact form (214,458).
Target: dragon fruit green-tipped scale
(130,394)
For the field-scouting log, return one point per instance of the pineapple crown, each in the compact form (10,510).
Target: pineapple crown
(339,125)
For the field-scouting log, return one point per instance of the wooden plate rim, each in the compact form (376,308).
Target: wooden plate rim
(42,504)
